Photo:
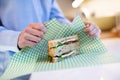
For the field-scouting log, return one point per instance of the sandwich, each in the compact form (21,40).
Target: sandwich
(60,49)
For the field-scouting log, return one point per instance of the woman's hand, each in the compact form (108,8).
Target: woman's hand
(31,35)
(92,30)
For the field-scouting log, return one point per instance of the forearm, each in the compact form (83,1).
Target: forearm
(8,39)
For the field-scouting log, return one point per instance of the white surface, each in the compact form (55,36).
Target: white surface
(106,72)
(113,45)
(103,72)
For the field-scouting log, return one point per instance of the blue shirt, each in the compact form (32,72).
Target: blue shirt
(15,15)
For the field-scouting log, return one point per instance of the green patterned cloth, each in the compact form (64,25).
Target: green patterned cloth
(35,59)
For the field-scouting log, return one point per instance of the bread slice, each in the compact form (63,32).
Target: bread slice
(63,48)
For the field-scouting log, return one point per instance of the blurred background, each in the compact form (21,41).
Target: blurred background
(105,13)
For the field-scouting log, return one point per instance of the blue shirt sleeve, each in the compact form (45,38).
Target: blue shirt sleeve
(57,13)
(8,39)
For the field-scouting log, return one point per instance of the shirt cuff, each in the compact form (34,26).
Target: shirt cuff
(9,42)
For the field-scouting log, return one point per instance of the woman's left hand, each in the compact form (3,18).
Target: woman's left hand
(92,30)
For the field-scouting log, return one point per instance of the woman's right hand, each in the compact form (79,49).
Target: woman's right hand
(31,35)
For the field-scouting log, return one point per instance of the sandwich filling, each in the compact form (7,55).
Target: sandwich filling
(64,47)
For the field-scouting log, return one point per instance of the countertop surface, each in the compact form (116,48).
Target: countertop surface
(101,72)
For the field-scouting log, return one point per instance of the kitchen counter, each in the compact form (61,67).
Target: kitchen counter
(108,34)
(102,72)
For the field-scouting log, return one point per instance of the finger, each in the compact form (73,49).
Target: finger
(93,36)
(95,33)
(43,28)
(38,26)
(91,28)
(35,32)
(29,43)
(32,38)
(87,29)
(92,32)
(87,24)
